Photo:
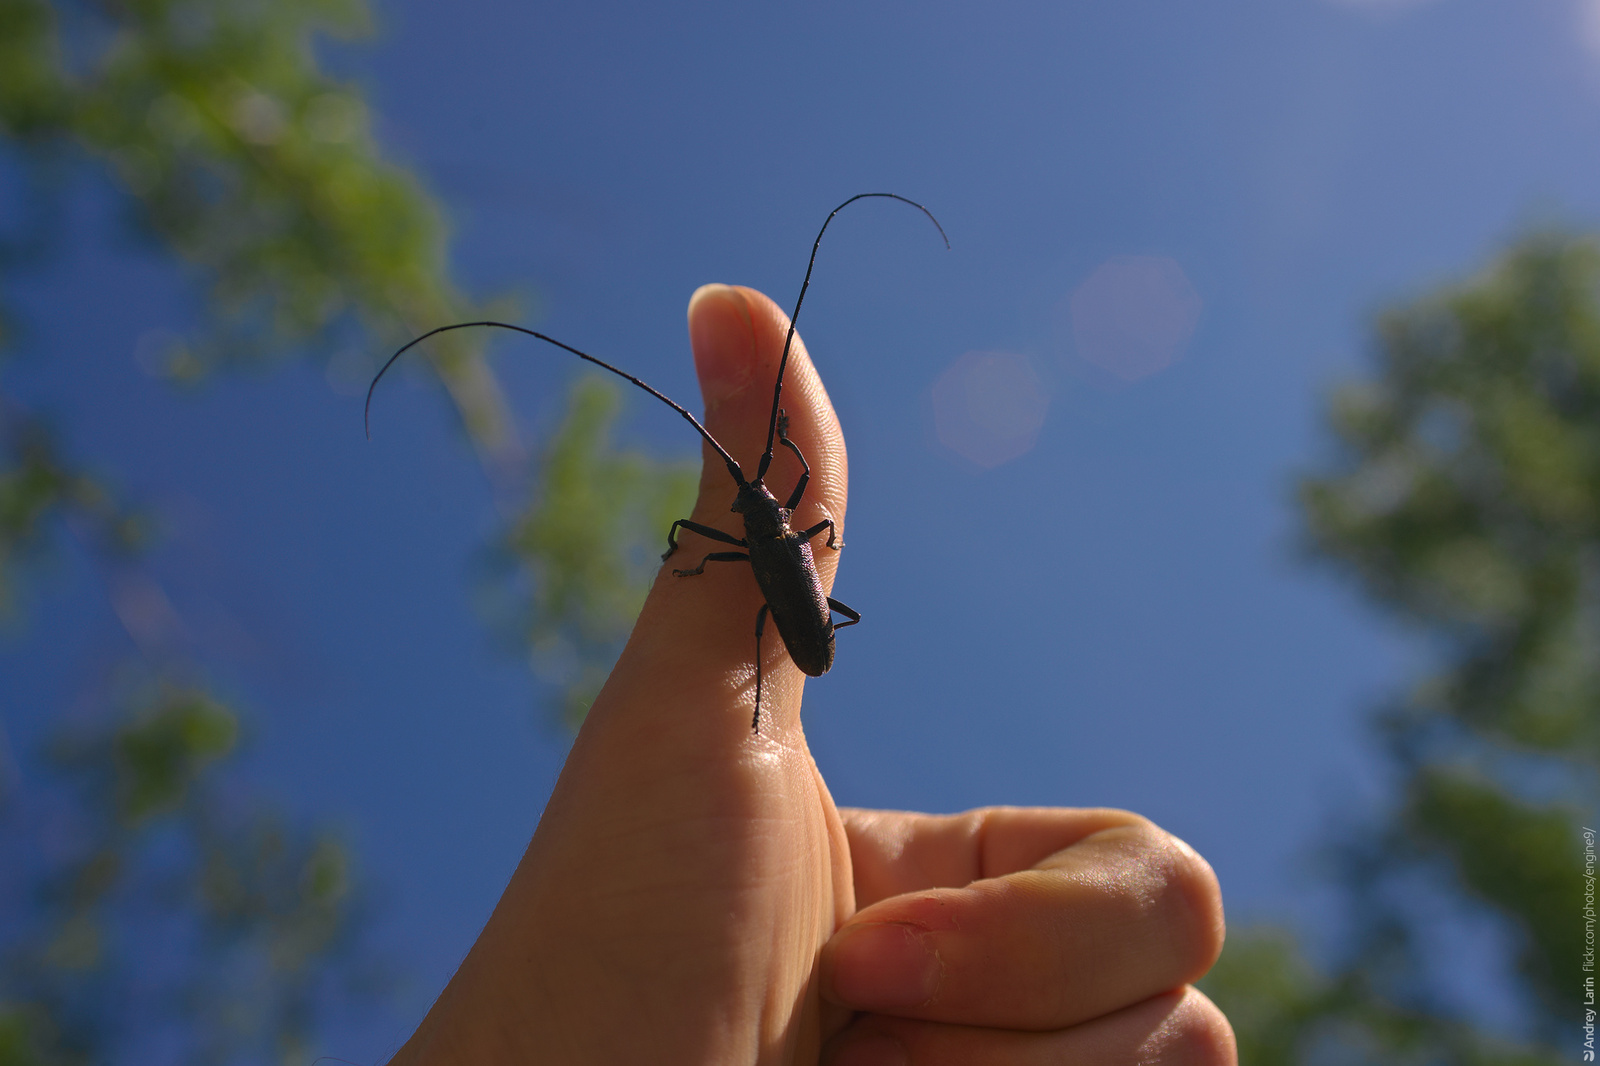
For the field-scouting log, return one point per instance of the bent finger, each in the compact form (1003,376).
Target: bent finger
(1181,1028)
(895,852)
(1124,913)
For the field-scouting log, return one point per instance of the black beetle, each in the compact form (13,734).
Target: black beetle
(779,556)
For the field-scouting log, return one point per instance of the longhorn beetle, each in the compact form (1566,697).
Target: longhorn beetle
(780,556)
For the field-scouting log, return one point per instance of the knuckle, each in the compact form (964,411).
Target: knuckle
(1180,887)
(1175,885)
(1198,896)
(1197,1033)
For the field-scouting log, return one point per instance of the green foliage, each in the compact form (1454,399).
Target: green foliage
(1285,1011)
(33,104)
(160,752)
(37,487)
(1467,495)
(245,160)
(27,1038)
(157,849)
(1519,859)
(241,158)
(1270,994)
(253,166)
(1465,500)
(591,542)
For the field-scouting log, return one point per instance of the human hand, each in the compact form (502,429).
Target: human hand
(686,874)
(1022,936)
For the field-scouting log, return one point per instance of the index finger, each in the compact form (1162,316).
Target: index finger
(1020,918)
(895,852)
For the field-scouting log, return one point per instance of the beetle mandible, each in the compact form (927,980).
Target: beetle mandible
(779,556)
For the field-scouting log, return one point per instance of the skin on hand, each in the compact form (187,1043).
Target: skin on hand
(679,900)
(1018,935)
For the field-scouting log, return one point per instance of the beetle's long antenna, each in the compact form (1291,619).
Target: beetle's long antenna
(733,467)
(777,389)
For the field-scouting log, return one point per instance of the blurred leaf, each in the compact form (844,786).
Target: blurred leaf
(167,900)
(29,1038)
(1285,1012)
(36,487)
(591,543)
(173,901)
(1465,499)
(1518,858)
(162,751)
(1269,992)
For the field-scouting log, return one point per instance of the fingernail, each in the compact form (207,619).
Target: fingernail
(866,1049)
(723,339)
(884,966)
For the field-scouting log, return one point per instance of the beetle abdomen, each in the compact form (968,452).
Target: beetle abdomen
(789,581)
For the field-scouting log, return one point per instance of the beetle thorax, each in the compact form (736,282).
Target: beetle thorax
(763,515)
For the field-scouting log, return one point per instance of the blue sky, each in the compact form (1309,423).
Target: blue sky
(1114,613)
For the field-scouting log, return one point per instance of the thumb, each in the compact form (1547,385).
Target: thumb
(694,648)
(711,859)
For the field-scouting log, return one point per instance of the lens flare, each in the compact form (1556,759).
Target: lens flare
(1134,316)
(989,406)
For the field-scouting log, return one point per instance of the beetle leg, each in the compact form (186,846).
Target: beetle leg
(704,531)
(714,557)
(826,523)
(849,612)
(761,624)
(805,467)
